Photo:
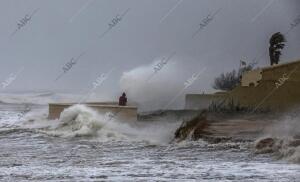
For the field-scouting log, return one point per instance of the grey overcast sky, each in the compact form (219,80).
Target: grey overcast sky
(151,29)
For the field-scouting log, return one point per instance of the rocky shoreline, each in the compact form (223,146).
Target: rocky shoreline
(217,128)
(208,125)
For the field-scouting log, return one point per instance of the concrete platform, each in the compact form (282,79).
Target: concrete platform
(121,112)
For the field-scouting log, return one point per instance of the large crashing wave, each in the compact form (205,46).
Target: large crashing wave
(82,121)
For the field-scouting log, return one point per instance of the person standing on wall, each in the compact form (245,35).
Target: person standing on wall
(123,100)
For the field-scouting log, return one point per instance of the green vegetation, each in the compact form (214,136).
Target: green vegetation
(230,106)
(228,81)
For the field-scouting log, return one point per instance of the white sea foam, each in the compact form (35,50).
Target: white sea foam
(282,138)
(82,121)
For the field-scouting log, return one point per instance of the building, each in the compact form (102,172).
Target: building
(276,88)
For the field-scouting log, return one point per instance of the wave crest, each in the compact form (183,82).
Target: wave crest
(282,139)
(282,148)
(79,121)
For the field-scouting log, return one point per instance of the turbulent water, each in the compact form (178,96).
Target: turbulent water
(85,146)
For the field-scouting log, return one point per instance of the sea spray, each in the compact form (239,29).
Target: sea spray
(82,121)
(154,85)
(282,139)
(282,148)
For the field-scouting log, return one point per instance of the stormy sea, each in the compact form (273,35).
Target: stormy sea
(83,145)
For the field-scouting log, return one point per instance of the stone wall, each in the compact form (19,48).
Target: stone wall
(278,89)
(128,113)
(275,88)
(201,101)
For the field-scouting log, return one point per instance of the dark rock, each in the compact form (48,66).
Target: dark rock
(294,143)
(265,143)
(193,127)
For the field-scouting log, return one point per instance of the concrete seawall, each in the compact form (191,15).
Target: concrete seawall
(121,112)
(202,101)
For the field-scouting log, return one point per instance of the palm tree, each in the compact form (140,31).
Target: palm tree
(276,44)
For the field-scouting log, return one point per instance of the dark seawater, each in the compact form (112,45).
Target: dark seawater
(39,151)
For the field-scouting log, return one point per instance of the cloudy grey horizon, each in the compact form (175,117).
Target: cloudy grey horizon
(150,30)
